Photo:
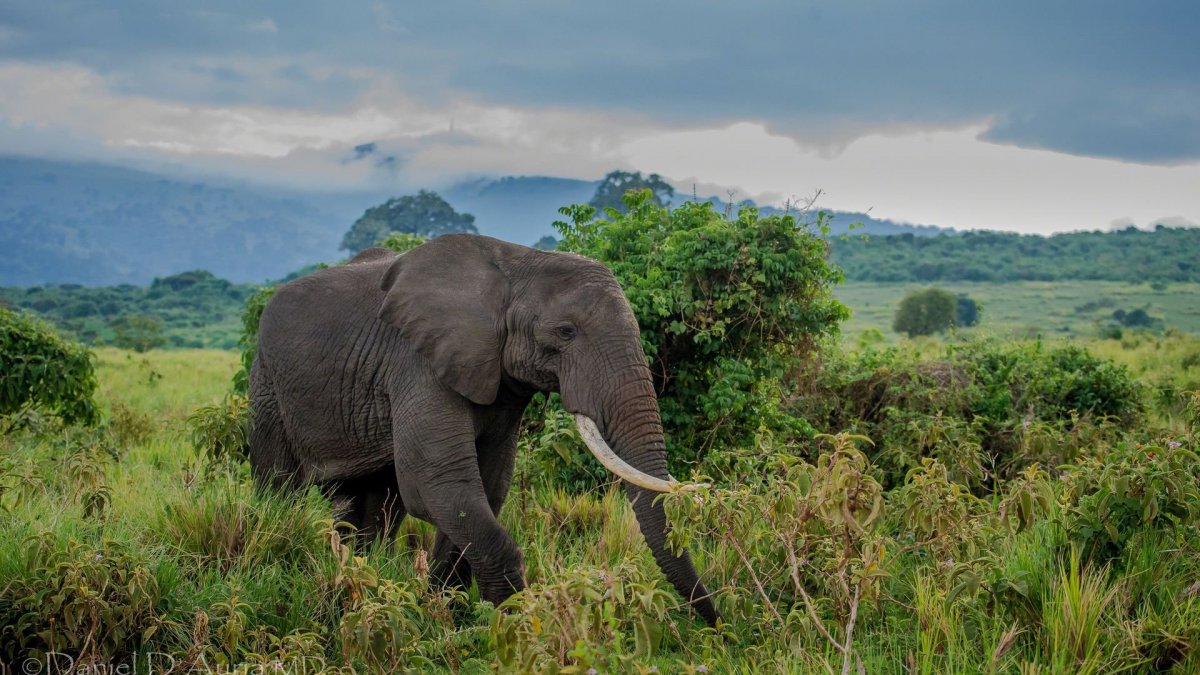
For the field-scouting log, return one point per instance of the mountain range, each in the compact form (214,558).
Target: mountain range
(96,224)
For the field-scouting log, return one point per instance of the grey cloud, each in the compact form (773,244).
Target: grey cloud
(1090,78)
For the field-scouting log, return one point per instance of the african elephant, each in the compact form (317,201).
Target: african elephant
(408,374)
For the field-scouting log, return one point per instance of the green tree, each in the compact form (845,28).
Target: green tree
(727,307)
(612,190)
(925,312)
(138,332)
(42,369)
(424,214)
(546,243)
(966,313)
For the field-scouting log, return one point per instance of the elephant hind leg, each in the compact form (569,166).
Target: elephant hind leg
(272,461)
(371,504)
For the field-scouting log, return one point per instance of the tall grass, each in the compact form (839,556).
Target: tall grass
(943,573)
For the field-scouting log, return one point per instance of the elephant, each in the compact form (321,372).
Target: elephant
(397,383)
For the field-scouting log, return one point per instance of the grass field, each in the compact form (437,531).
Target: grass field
(1058,308)
(123,545)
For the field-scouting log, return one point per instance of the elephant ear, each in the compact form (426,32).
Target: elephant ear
(447,297)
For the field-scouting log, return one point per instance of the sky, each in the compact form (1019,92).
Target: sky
(1039,116)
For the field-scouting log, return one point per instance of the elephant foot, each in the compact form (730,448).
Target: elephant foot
(501,586)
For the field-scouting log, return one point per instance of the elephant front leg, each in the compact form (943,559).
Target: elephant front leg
(497,452)
(471,541)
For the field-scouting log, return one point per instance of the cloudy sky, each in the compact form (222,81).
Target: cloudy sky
(1030,116)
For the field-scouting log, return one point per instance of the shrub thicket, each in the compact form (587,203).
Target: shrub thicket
(43,370)
(727,306)
(925,312)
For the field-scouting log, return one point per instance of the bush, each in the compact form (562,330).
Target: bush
(925,312)
(248,340)
(985,410)
(1131,489)
(220,432)
(138,332)
(44,370)
(726,307)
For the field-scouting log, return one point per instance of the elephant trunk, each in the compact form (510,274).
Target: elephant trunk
(633,427)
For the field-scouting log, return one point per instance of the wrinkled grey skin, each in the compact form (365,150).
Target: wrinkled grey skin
(407,375)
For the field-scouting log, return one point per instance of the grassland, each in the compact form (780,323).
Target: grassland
(123,544)
(1029,308)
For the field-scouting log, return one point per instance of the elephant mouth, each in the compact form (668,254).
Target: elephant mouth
(598,447)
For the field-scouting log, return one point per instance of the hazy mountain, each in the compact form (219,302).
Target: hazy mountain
(94,224)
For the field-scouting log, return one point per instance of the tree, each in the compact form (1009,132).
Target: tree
(925,312)
(44,370)
(424,214)
(138,332)
(967,311)
(546,243)
(612,190)
(727,308)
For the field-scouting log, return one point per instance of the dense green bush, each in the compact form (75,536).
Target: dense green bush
(1133,488)
(726,306)
(42,369)
(925,312)
(986,409)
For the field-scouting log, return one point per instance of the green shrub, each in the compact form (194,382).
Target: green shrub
(43,370)
(92,604)
(726,308)
(138,332)
(602,620)
(1133,488)
(926,312)
(220,432)
(248,340)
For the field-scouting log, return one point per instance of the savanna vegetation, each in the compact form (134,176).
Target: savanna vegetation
(966,504)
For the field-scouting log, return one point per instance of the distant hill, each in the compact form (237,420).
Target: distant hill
(95,224)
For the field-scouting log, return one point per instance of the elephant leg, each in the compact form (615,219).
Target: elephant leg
(450,568)
(272,460)
(438,460)
(371,504)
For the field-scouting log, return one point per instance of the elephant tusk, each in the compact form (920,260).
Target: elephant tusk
(595,442)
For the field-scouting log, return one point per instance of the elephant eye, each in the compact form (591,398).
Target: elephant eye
(566,332)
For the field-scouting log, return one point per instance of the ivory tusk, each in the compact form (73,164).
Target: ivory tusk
(595,442)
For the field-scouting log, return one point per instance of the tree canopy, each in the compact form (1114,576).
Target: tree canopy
(726,306)
(926,312)
(611,192)
(424,214)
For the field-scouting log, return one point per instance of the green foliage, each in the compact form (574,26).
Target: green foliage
(1132,488)
(611,192)
(726,307)
(424,214)
(925,312)
(986,409)
(93,604)
(248,340)
(1131,255)
(818,557)
(196,309)
(967,311)
(43,370)
(402,241)
(138,332)
(219,432)
(595,620)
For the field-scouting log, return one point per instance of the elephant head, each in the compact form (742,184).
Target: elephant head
(486,314)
